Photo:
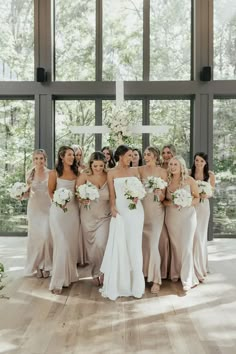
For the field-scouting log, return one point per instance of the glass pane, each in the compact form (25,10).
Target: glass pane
(17,40)
(224,39)
(127,116)
(172,120)
(170,40)
(122,40)
(224,151)
(75,40)
(75,114)
(16,146)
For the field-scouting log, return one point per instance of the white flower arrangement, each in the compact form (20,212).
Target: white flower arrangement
(134,191)
(87,191)
(153,183)
(204,188)
(182,198)
(118,124)
(61,197)
(18,189)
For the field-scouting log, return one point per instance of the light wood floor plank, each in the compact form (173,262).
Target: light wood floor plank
(81,321)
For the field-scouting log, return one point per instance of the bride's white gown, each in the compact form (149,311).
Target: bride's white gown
(123,260)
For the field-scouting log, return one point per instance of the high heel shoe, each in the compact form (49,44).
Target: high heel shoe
(39,273)
(46,273)
(56,291)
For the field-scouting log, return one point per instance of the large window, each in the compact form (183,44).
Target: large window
(224,39)
(75,114)
(225,168)
(172,120)
(75,40)
(170,40)
(17,40)
(122,39)
(16,146)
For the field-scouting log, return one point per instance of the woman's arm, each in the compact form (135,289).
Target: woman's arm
(212,179)
(194,191)
(112,194)
(52,183)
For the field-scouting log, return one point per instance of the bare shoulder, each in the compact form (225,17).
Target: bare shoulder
(191,180)
(52,174)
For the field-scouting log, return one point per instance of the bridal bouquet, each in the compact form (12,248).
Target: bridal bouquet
(18,189)
(182,198)
(61,197)
(134,191)
(204,188)
(87,192)
(152,183)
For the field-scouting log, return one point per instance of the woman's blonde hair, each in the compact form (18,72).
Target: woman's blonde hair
(31,172)
(183,170)
(156,153)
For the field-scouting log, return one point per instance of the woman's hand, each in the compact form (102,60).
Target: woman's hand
(114,212)
(84,201)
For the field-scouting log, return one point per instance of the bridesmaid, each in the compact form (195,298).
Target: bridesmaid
(181,224)
(168,151)
(137,158)
(39,246)
(153,219)
(79,156)
(95,221)
(200,171)
(64,226)
(82,252)
(110,161)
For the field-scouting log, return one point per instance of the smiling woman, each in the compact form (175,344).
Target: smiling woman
(65,226)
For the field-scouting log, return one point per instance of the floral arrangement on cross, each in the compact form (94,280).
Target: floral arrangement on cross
(118,121)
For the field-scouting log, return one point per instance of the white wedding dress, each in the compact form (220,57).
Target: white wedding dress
(123,260)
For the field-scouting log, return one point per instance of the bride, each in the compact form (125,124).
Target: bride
(122,262)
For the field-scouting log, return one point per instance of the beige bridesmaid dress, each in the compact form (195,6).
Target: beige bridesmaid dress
(65,228)
(39,243)
(181,225)
(164,250)
(200,253)
(95,224)
(153,223)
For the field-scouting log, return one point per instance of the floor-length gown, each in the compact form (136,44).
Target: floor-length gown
(164,250)
(39,243)
(153,223)
(65,228)
(95,223)
(123,261)
(181,225)
(200,254)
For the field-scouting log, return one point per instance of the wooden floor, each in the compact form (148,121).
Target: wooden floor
(33,321)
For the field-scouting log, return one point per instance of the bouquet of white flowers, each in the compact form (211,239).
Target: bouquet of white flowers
(152,183)
(182,198)
(204,188)
(87,191)
(61,197)
(134,191)
(18,189)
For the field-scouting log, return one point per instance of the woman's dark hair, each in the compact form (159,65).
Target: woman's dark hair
(140,161)
(206,167)
(120,151)
(59,165)
(111,163)
(95,156)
